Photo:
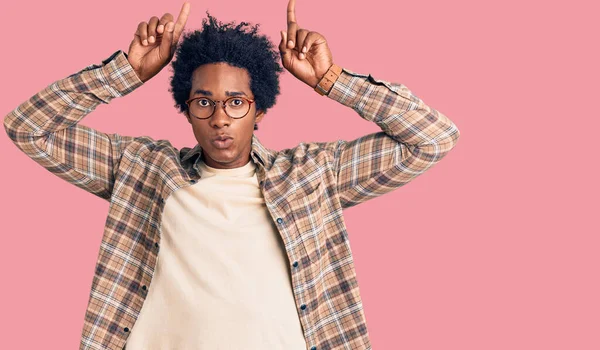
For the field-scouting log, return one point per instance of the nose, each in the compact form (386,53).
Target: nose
(219,117)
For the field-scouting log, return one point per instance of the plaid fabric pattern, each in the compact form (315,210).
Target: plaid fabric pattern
(305,188)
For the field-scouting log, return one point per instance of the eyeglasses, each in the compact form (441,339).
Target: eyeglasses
(203,108)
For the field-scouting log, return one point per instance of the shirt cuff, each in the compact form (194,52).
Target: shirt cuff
(120,77)
(347,89)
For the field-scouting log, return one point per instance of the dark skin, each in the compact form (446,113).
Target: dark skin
(305,54)
(218,79)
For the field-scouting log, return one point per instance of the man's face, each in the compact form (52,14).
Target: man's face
(220,81)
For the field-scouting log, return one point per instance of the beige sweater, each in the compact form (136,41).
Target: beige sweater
(222,280)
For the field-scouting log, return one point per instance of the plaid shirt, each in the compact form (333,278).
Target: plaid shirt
(305,189)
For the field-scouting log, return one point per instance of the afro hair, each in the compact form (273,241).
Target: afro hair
(232,44)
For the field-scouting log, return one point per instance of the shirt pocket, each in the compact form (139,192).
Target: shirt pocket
(308,218)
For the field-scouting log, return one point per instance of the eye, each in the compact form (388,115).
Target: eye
(236,102)
(203,102)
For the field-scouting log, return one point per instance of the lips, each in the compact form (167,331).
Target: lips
(221,137)
(222,141)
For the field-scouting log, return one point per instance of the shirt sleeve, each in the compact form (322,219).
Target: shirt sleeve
(46,126)
(414,137)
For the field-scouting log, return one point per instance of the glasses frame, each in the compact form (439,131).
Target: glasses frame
(220,102)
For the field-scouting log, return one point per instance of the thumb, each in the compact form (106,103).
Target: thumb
(167,41)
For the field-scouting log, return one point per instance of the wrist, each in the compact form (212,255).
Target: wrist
(323,87)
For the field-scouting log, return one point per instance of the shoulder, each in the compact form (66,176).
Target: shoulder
(311,152)
(145,144)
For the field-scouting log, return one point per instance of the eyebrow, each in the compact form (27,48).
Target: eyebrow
(228,93)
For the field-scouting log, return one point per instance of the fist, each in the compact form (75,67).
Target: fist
(154,43)
(304,53)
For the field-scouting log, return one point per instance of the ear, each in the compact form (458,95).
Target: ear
(187,115)
(259,115)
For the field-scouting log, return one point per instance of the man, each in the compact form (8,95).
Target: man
(229,244)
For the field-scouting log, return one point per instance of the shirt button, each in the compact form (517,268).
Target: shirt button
(261,183)
(303,306)
(279,220)
(313,348)
(295,264)
(193,181)
(156,245)
(126,329)
(144,287)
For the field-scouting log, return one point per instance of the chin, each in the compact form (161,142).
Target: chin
(223,155)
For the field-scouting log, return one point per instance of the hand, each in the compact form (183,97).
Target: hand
(154,43)
(308,58)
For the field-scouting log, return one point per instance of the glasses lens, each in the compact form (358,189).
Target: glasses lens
(237,107)
(203,108)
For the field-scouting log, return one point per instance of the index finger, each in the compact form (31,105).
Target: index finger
(291,12)
(181,21)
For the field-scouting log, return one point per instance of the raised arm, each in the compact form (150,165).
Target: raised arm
(46,126)
(46,129)
(414,137)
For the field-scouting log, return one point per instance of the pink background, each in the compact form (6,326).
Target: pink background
(493,248)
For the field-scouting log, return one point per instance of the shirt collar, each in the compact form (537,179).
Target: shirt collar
(259,154)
